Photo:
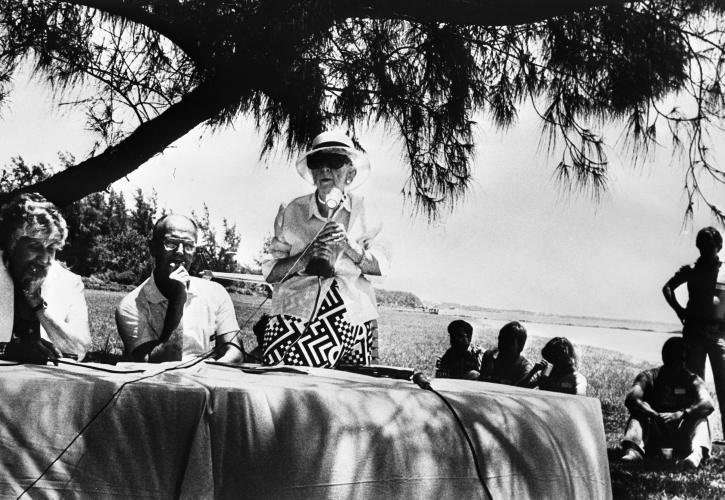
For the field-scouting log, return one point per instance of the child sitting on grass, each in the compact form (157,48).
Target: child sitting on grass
(463,359)
(505,364)
(557,372)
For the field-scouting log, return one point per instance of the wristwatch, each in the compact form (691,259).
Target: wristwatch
(43,305)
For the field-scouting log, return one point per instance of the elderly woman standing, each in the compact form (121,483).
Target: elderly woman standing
(324,246)
(704,316)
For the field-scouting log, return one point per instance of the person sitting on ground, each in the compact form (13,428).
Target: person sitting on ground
(668,408)
(173,316)
(557,372)
(463,359)
(506,365)
(44,313)
(703,318)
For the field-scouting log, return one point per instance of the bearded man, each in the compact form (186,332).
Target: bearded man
(44,313)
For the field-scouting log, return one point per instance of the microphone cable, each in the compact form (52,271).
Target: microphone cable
(315,311)
(309,322)
(422,381)
(282,280)
(193,362)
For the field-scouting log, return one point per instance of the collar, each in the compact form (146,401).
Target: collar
(313,211)
(154,295)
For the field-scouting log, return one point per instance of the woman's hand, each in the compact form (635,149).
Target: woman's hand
(331,239)
(320,250)
(333,234)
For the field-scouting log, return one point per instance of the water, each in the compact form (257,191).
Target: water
(639,344)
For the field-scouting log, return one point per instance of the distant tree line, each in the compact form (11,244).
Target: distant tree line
(108,235)
(396,298)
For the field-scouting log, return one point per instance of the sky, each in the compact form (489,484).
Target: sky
(517,240)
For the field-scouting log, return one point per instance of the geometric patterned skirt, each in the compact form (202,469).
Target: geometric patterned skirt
(327,341)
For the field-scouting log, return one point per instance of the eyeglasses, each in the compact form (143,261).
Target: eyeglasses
(172,244)
(322,160)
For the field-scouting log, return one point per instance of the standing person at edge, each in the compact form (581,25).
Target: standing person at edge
(173,316)
(463,359)
(704,316)
(43,311)
(325,245)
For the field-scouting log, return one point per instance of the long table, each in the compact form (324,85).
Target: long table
(217,432)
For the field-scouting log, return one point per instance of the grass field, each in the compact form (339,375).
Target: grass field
(414,339)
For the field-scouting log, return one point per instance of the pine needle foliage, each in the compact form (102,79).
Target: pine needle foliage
(151,70)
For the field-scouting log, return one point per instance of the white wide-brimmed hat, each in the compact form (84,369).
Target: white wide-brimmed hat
(335,141)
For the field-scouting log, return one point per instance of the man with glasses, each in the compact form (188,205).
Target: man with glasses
(173,316)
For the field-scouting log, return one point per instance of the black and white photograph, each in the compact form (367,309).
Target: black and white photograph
(272,249)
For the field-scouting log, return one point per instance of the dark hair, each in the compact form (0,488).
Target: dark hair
(516,330)
(560,352)
(29,211)
(673,349)
(708,235)
(459,324)
(325,158)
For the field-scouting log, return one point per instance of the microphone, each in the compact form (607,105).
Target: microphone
(421,380)
(317,266)
(333,199)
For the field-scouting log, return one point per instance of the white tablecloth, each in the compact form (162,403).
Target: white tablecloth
(217,432)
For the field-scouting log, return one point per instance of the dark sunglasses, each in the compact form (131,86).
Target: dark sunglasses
(321,160)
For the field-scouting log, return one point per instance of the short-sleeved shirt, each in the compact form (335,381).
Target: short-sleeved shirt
(705,285)
(572,383)
(208,311)
(492,370)
(295,226)
(665,393)
(455,365)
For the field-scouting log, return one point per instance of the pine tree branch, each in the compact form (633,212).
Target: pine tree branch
(149,139)
(470,12)
(176,31)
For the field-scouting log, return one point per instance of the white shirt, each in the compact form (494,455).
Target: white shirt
(208,310)
(62,290)
(296,226)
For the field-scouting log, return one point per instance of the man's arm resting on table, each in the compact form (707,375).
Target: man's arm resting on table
(69,337)
(133,328)
(70,333)
(168,346)
(37,351)
(157,351)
